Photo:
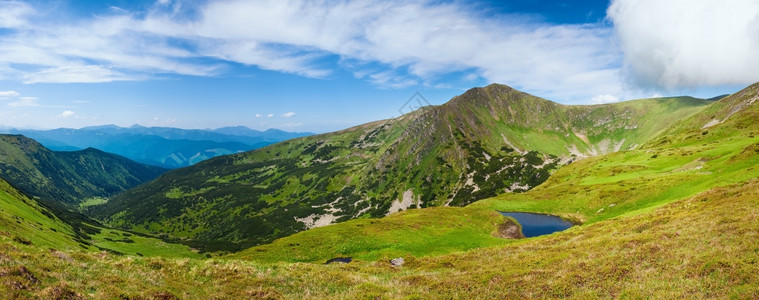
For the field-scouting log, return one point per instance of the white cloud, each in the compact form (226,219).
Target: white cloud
(270,115)
(66,114)
(409,43)
(417,41)
(258,115)
(157,121)
(688,43)
(82,74)
(8,94)
(25,102)
(392,44)
(602,99)
(288,114)
(14,13)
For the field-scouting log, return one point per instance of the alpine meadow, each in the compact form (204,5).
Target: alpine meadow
(547,151)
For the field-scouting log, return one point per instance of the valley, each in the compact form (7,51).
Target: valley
(361,149)
(485,142)
(663,194)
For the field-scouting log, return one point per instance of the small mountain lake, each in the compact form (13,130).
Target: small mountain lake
(538,224)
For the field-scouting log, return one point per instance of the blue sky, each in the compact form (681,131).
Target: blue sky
(326,65)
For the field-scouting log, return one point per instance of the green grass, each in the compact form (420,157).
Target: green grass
(583,192)
(92,201)
(625,183)
(442,154)
(417,232)
(23,219)
(675,219)
(700,247)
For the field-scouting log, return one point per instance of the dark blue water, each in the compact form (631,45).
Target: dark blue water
(344,260)
(537,224)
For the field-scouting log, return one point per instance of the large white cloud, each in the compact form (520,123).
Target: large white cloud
(688,43)
(390,43)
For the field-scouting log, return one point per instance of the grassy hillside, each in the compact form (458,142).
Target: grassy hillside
(485,142)
(699,247)
(586,191)
(25,221)
(676,218)
(68,177)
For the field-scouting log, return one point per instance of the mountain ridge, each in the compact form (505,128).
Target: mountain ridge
(480,144)
(160,146)
(68,177)
(670,218)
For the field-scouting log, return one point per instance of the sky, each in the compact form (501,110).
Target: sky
(325,65)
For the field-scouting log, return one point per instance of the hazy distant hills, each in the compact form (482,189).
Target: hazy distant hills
(485,142)
(160,146)
(668,192)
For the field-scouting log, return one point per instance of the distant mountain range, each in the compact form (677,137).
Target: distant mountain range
(669,184)
(486,142)
(159,146)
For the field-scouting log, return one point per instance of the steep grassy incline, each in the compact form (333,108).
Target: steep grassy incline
(598,189)
(485,142)
(700,247)
(26,221)
(660,222)
(68,177)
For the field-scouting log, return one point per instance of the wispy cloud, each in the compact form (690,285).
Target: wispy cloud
(288,114)
(79,74)
(411,42)
(8,94)
(16,100)
(25,102)
(671,44)
(270,115)
(13,13)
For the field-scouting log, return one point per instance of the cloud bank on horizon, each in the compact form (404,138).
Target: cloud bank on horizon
(684,43)
(643,45)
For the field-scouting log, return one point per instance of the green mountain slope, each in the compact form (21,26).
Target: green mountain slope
(683,225)
(28,222)
(68,177)
(704,246)
(606,188)
(485,142)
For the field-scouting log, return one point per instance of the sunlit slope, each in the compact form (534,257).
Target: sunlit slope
(485,142)
(587,191)
(694,155)
(694,238)
(700,247)
(25,221)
